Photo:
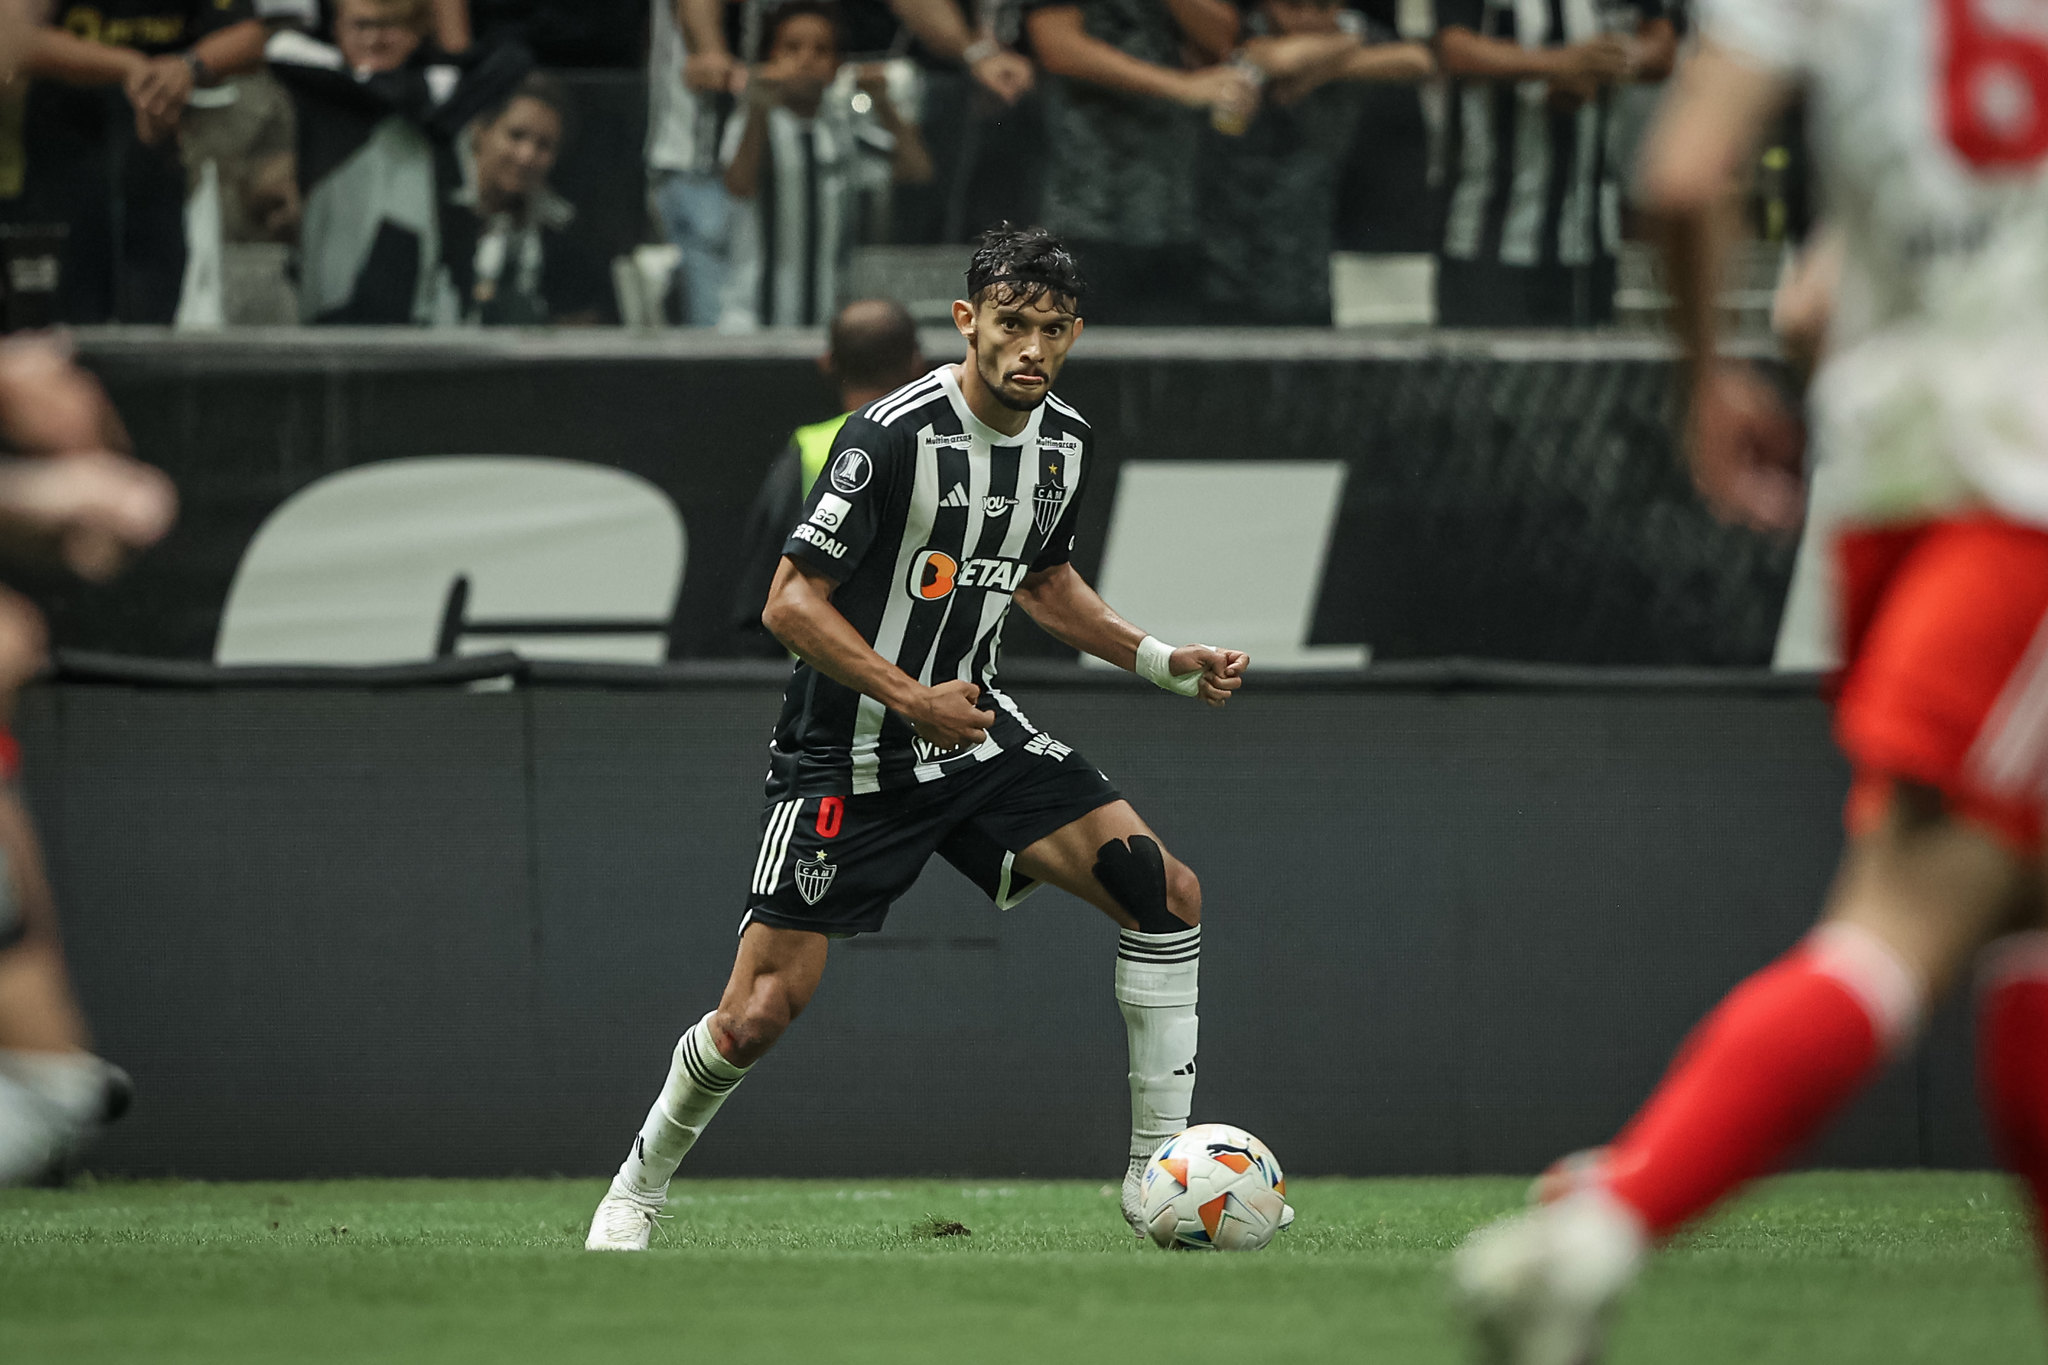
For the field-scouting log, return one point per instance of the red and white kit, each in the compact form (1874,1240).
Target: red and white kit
(1930,120)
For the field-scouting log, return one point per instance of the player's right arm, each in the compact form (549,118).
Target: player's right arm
(800,614)
(1743,444)
(864,480)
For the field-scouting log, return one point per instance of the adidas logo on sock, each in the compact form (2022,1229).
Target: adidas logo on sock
(1187,1070)
(955,497)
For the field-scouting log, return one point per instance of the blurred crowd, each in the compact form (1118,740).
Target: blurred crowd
(397,162)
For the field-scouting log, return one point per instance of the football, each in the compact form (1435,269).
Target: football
(1213,1187)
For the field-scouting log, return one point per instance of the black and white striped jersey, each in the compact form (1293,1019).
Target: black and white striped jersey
(1531,182)
(929,520)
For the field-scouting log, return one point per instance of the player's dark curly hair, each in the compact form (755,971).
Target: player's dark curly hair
(1020,264)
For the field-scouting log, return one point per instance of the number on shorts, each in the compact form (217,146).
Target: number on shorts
(1995,100)
(831,811)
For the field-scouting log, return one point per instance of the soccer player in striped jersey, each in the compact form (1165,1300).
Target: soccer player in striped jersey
(941,505)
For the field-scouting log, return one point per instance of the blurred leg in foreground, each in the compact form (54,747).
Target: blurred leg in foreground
(76,501)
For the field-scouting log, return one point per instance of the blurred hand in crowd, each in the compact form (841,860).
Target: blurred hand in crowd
(1585,68)
(1004,74)
(18,20)
(1222,89)
(714,73)
(158,88)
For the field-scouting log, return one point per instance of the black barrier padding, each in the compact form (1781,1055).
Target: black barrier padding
(454,932)
(1514,498)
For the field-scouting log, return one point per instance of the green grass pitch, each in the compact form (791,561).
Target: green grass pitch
(1814,1269)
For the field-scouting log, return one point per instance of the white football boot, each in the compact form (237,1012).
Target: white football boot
(1538,1287)
(624,1220)
(1134,1194)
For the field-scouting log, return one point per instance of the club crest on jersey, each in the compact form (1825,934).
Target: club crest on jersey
(851,470)
(814,877)
(1046,501)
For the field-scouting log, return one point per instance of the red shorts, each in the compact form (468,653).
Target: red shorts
(1944,627)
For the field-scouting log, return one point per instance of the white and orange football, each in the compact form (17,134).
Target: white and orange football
(1213,1187)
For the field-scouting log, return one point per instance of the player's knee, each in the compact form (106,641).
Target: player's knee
(1183,892)
(1136,875)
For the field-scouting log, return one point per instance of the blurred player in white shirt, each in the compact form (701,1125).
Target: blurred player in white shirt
(1930,412)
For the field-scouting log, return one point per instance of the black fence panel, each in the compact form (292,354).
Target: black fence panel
(1452,924)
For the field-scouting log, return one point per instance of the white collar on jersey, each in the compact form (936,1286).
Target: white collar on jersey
(978,429)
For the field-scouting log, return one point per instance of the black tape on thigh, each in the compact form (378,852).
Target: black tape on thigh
(1135,877)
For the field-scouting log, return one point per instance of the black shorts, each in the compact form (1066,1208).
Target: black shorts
(835,864)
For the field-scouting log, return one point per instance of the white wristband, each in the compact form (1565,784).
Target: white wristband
(1155,666)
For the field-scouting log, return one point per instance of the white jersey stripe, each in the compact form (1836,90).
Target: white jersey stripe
(1014,540)
(1521,235)
(889,409)
(917,529)
(889,400)
(1059,406)
(1575,221)
(1466,219)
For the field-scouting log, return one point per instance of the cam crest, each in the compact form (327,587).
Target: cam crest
(814,877)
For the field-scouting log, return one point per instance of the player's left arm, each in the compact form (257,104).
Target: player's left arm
(1743,445)
(1072,612)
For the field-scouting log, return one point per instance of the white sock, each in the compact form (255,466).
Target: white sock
(74,1084)
(1157,984)
(699,1079)
(32,1132)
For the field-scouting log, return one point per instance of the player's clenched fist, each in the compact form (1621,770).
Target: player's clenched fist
(951,715)
(1222,670)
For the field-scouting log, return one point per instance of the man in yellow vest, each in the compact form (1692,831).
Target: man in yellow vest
(872,352)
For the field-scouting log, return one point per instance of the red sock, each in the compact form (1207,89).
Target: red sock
(1760,1075)
(2012,1062)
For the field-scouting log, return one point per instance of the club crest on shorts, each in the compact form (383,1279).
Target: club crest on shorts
(814,877)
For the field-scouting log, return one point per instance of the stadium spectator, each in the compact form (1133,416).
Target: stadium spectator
(505,237)
(1533,209)
(1269,193)
(872,351)
(982,119)
(690,74)
(793,165)
(379,113)
(1123,119)
(96,148)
